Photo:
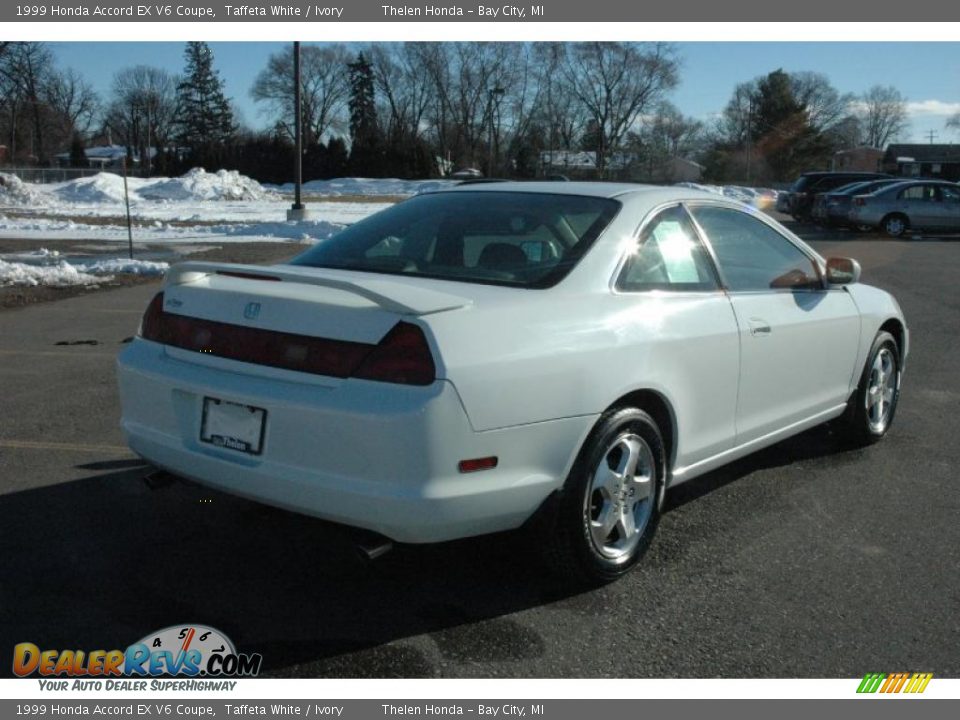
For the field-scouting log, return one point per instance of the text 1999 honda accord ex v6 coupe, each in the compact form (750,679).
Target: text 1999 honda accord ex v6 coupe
(475,358)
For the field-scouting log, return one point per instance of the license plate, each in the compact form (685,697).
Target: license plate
(232,425)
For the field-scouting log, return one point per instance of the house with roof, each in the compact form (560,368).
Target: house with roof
(923,160)
(102,157)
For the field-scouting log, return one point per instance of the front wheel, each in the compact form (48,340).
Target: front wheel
(872,407)
(608,510)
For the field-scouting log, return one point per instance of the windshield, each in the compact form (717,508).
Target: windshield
(503,238)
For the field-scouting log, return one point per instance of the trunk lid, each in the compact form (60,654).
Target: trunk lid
(334,304)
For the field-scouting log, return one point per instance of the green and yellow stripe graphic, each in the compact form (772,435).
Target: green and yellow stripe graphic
(894,682)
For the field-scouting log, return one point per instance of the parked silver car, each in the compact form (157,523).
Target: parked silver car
(910,205)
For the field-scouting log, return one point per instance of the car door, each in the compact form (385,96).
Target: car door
(919,204)
(798,339)
(683,332)
(949,207)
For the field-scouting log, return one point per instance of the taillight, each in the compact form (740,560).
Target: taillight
(150,325)
(859,201)
(402,356)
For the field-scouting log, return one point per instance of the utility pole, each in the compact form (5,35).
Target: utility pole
(749,135)
(931,134)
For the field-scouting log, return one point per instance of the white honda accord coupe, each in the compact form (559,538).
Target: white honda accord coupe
(500,354)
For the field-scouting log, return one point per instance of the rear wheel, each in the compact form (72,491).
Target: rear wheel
(873,406)
(608,510)
(895,225)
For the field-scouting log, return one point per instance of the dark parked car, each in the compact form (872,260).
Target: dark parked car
(799,199)
(833,208)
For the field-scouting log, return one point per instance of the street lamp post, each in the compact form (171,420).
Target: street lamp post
(297,211)
(496,92)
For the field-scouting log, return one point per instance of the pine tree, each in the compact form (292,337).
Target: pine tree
(204,117)
(364,133)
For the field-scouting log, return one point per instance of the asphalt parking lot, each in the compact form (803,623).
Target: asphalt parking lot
(805,560)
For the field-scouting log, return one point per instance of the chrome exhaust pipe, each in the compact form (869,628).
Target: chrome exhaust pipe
(372,546)
(157,479)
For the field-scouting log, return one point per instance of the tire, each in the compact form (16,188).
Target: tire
(895,225)
(872,407)
(602,521)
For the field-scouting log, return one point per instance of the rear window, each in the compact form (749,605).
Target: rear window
(518,239)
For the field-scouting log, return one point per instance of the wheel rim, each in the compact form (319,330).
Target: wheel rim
(881,390)
(895,226)
(620,499)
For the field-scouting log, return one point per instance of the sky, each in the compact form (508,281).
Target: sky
(927,73)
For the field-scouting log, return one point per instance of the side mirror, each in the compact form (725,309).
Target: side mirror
(842,271)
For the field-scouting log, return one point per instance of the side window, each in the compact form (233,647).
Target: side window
(919,192)
(752,255)
(668,256)
(950,194)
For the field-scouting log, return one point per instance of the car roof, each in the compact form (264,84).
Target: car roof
(844,173)
(589,189)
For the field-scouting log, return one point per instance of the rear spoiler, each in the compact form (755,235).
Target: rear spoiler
(396,297)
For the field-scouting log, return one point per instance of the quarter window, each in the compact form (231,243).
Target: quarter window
(668,256)
(752,255)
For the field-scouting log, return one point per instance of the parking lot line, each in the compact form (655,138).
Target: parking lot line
(66,447)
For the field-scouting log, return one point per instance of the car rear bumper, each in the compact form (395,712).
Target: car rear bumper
(377,456)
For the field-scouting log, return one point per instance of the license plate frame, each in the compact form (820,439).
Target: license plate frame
(233,426)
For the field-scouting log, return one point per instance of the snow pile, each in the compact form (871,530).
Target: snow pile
(14,191)
(119,266)
(59,275)
(198,184)
(107,188)
(100,188)
(368,187)
(44,267)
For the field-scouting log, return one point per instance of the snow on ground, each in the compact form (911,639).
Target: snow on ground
(198,207)
(221,207)
(47,267)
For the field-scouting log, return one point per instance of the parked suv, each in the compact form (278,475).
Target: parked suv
(799,199)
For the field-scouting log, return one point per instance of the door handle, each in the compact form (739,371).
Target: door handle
(759,327)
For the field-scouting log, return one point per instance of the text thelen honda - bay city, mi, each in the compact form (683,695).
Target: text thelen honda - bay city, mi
(546,355)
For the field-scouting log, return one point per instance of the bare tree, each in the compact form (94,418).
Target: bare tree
(882,114)
(325,90)
(24,71)
(73,99)
(824,105)
(142,112)
(617,83)
(558,110)
(404,91)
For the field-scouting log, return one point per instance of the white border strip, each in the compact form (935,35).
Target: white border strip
(509,31)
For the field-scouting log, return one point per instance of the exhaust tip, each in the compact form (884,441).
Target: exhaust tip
(371,546)
(157,479)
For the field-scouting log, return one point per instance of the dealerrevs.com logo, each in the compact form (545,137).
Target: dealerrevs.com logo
(892,683)
(179,650)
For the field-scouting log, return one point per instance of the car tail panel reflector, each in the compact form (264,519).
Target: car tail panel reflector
(402,356)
